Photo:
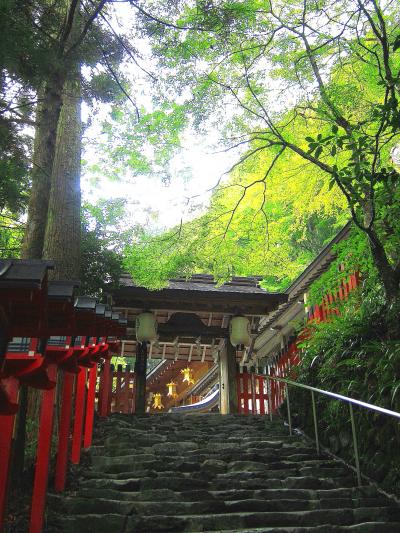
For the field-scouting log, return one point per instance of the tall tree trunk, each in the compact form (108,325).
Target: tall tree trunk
(47,117)
(63,230)
(391,284)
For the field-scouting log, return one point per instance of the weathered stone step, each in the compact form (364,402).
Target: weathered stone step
(241,468)
(351,494)
(333,522)
(232,453)
(222,522)
(213,473)
(273,462)
(305,482)
(76,505)
(367,527)
(113,466)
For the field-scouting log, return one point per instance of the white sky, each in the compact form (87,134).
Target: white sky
(169,201)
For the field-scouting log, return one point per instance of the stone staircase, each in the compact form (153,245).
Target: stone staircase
(213,473)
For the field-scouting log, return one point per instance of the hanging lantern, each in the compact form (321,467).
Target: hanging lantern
(187,375)
(172,389)
(146,327)
(157,403)
(239,331)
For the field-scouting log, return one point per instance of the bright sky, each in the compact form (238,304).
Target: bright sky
(163,206)
(149,201)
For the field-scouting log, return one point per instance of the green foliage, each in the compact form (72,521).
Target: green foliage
(352,355)
(14,166)
(296,78)
(351,255)
(11,234)
(104,233)
(274,230)
(143,145)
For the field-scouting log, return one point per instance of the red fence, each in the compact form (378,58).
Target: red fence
(122,393)
(327,308)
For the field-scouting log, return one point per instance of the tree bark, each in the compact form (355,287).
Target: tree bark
(48,113)
(391,283)
(63,230)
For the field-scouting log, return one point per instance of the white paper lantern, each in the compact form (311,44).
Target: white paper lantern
(239,331)
(146,327)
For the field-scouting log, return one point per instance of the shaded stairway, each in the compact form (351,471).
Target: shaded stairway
(214,473)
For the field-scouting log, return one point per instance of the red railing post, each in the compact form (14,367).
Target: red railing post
(43,455)
(91,396)
(111,391)
(80,397)
(64,431)
(6,433)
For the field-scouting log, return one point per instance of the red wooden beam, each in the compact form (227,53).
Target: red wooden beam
(110,392)
(43,455)
(64,432)
(80,397)
(91,395)
(7,426)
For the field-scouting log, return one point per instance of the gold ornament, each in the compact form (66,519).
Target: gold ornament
(187,375)
(157,404)
(172,389)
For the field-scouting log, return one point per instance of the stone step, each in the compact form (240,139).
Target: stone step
(76,505)
(211,473)
(289,482)
(272,462)
(366,527)
(316,521)
(222,522)
(351,494)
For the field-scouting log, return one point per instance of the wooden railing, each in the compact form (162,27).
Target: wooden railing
(120,396)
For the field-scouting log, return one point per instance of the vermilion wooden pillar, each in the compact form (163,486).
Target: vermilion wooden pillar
(43,455)
(64,431)
(6,433)
(91,396)
(104,388)
(80,397)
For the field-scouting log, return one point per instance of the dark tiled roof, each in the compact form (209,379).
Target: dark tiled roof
(62,289)
(23,273)
(206,283)
(85,303)
(200,293)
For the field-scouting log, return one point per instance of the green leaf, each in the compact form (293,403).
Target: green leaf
(318,152)
(335,128)
(397,387)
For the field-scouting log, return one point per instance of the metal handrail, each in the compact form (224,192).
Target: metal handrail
(338,396)
(335,396)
